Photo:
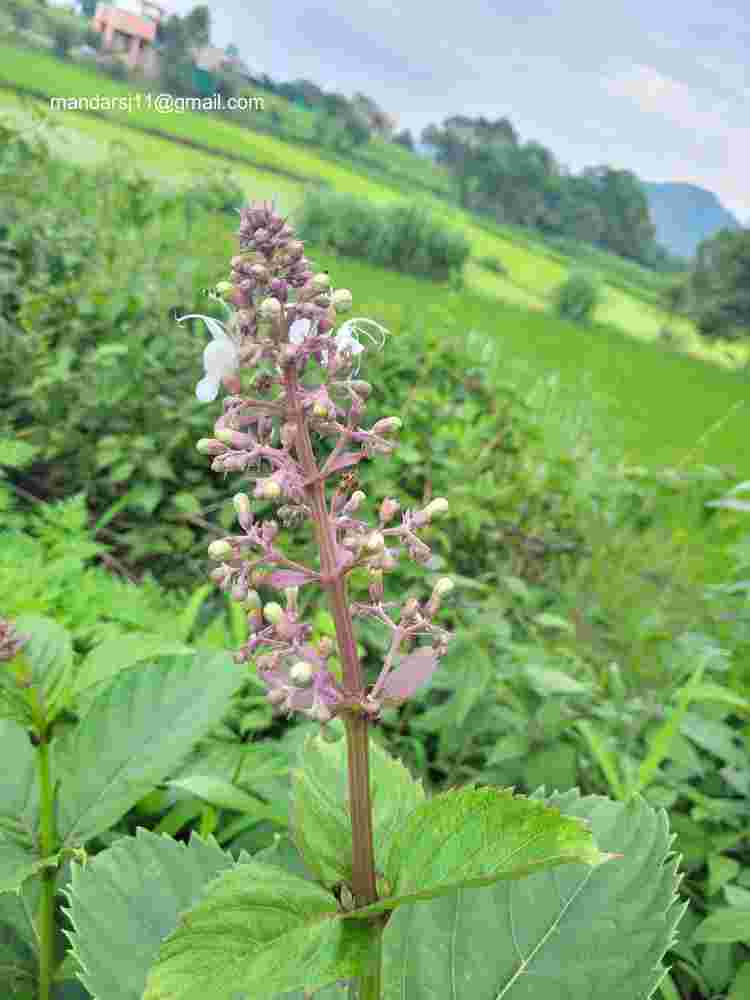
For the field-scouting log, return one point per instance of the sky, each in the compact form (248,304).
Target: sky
(659,87)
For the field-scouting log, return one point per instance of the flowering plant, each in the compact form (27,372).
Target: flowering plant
(371,891)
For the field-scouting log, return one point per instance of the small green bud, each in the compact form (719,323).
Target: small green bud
(270,309)
(436,508)
(252,601)
(224,289)
(273,612)
(321,282)
(241,503)
(374,542)
(387,425)
(325,647)
(270,489)
(225,435)
(342,300)
(220,550)
(301,673)
(361,387)
(210,446)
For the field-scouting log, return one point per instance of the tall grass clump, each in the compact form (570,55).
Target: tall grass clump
(404,237)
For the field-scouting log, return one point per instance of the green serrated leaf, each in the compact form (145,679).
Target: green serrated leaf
(137,730)
(320,818)
(295,943)
(513,940)
(110,657)
(225,795)
(127,899)
(19,807)
(18,956)
(473,837)
(546,681)
(49,652)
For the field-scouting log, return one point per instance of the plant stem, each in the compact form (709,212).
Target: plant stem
(357,736)
(46,916)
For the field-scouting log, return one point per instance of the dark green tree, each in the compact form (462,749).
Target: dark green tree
(720,282)
(405,139)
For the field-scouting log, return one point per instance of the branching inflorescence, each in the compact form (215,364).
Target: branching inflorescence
(281,318)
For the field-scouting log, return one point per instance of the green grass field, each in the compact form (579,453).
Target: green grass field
(534,270)
(629,372)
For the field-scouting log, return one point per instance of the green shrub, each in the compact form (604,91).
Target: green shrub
(215,192)
(404,237)
(577,297)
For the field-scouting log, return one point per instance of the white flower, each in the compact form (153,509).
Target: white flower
(221,357)
(345,338)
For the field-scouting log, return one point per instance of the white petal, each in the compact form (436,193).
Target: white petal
(345,340)
(215,328)
(220,357)
(299,329)
(207,389)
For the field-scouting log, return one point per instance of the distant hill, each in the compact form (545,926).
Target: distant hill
(685,214)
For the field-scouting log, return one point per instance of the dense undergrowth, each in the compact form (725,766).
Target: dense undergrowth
(603,611)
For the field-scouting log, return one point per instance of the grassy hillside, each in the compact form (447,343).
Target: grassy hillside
(534,268)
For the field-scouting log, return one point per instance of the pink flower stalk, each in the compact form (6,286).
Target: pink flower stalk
(281,321)
(10,640)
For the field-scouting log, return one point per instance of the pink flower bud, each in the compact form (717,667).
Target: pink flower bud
(288,433)
(326,647)
(361,387)
(387,425)
(269,530)
(388,509)
(354,502)
(236,439)
(410,609)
